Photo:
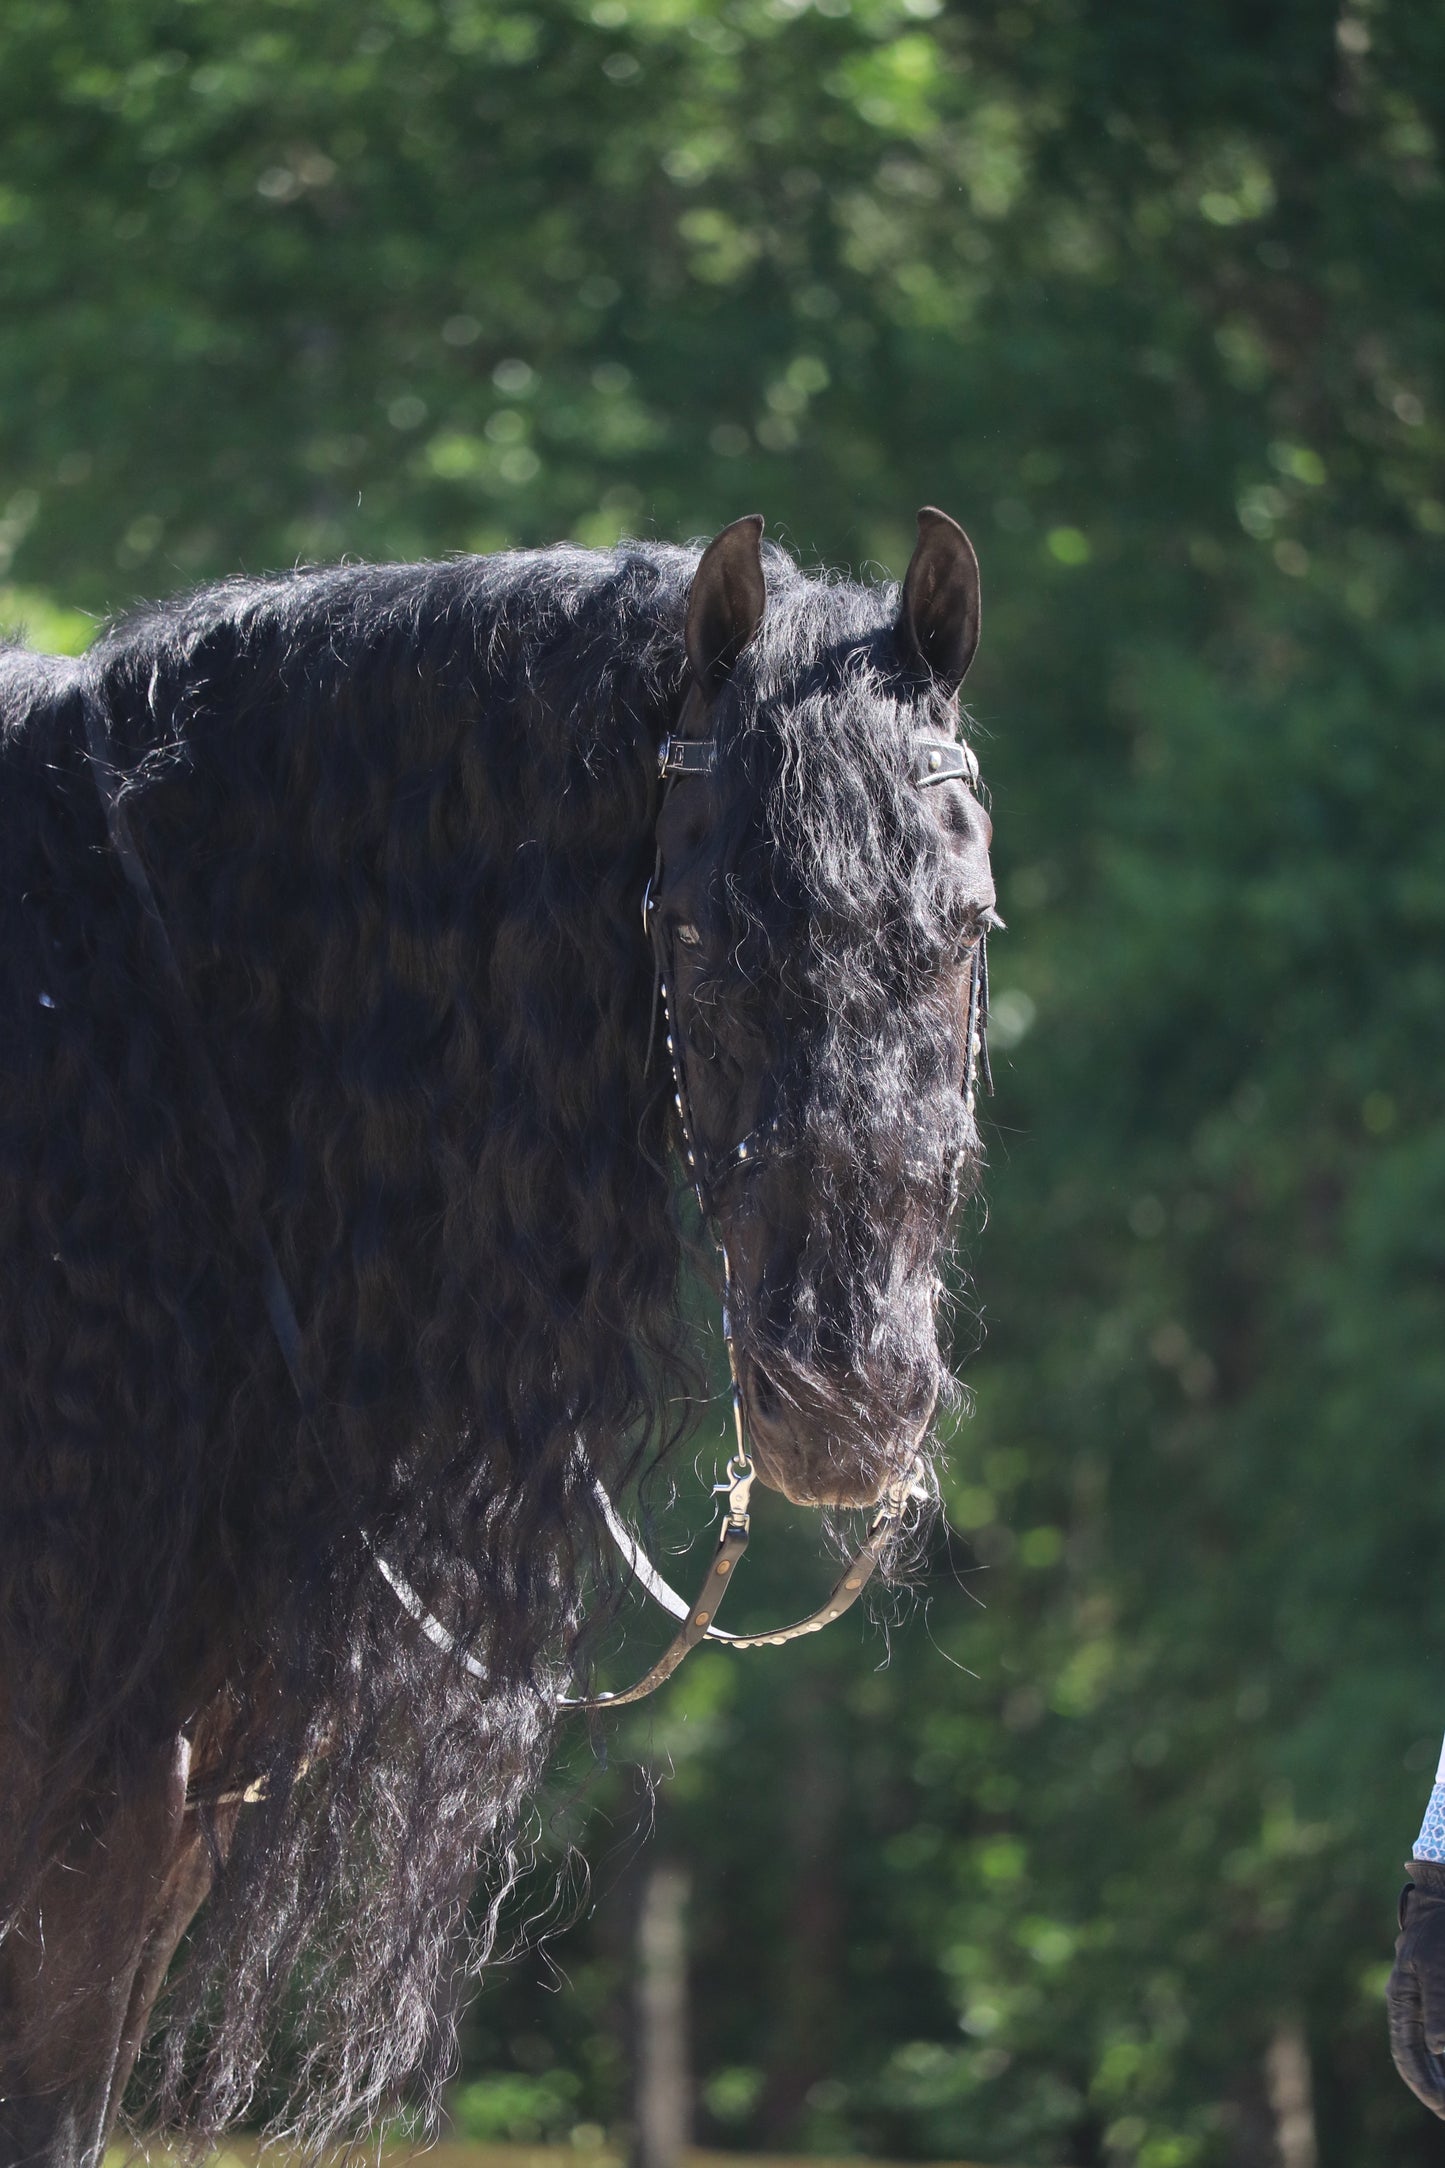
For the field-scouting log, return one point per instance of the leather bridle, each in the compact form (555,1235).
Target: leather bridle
(678,757)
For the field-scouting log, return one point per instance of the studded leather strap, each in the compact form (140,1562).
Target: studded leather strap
(697,1626)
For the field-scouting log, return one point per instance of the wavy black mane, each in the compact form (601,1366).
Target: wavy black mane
(399,821)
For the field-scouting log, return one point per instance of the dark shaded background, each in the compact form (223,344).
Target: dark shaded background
(1151,297)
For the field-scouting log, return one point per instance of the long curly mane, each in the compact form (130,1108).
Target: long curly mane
(399,821)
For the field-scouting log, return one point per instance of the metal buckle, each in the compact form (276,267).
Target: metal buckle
(737,1487)
(686,756)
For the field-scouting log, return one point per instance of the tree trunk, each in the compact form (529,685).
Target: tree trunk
(809,1968)
(1287,2074)
(664,2091)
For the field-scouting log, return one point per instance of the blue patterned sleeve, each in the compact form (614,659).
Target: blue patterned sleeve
(1430,1844)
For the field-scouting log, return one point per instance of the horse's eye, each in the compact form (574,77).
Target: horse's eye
(688,935)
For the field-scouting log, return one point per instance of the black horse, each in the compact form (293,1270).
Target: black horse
(394,1037)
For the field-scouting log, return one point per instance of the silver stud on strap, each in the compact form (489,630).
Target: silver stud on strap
(944,764)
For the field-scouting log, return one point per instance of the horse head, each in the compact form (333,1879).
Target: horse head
(819,910)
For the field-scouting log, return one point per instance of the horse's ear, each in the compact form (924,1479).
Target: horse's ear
(938,615)
(726,601)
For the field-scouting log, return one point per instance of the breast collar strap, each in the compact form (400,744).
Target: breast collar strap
(678,757)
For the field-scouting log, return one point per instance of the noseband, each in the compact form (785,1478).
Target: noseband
(677,757)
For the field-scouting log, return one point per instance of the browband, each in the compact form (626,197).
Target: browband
(933,762)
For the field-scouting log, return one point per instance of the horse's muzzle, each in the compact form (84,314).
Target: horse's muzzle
(815,1459)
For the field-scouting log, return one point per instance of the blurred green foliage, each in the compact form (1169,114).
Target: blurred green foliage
(1151,297)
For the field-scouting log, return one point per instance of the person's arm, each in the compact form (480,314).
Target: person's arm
(1415,1996)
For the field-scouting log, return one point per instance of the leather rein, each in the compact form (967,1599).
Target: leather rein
(678,757)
